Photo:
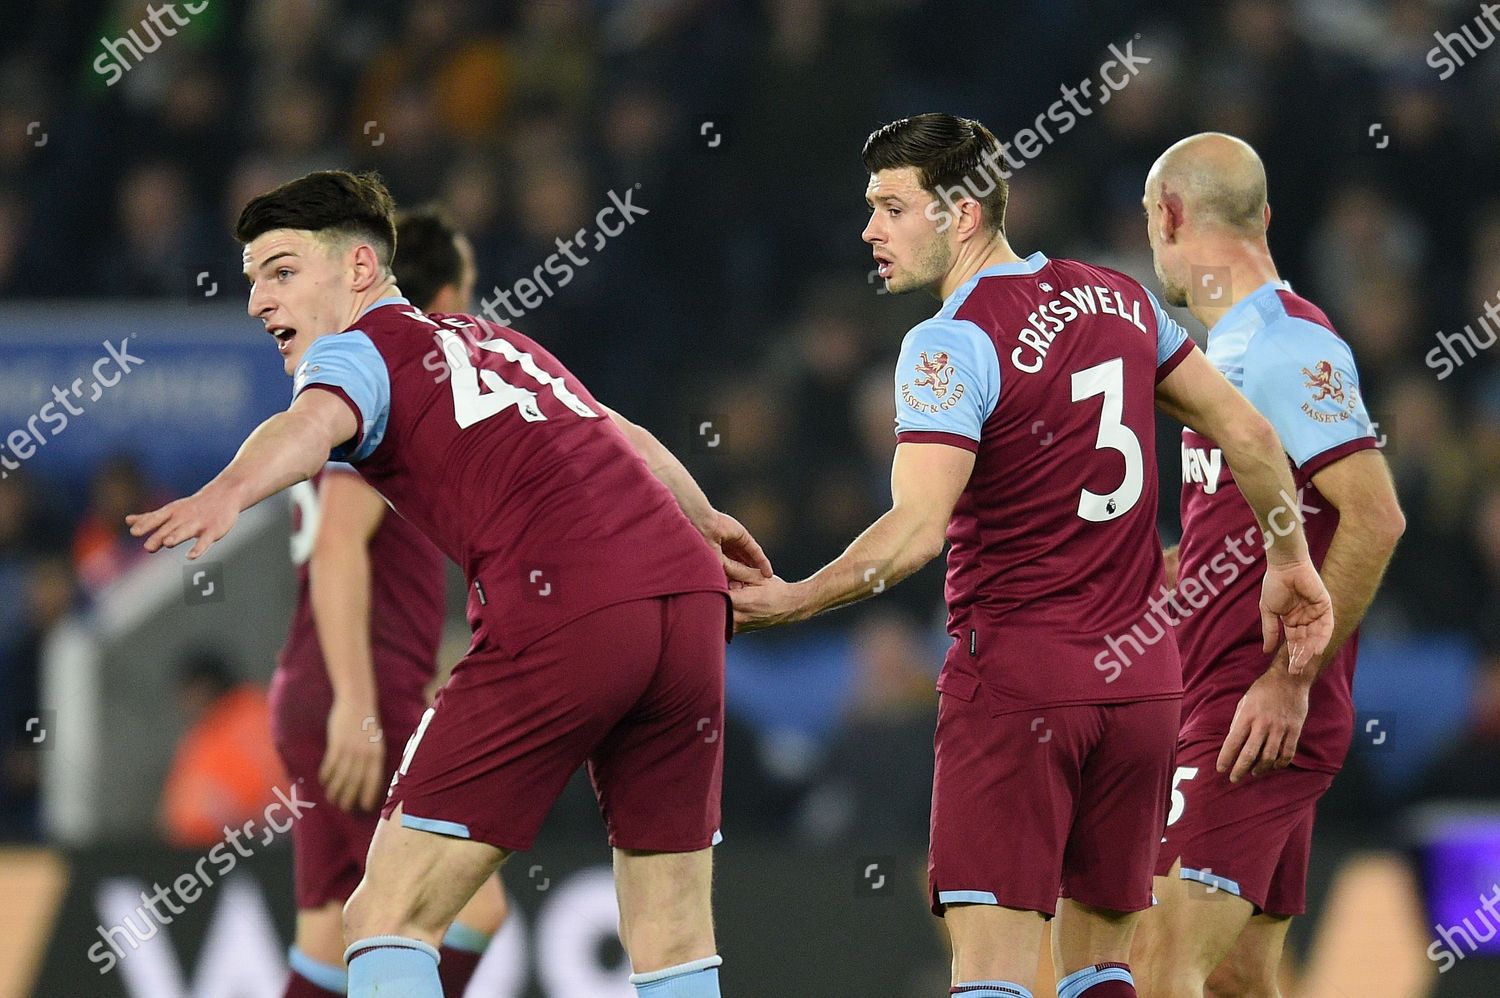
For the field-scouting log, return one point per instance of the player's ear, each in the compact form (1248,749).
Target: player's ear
(367,267)
(1169,215)
(1267,216)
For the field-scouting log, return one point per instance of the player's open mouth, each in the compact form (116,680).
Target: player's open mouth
(284,336)
(883,267)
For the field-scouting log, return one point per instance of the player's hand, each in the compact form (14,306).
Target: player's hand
(1169,557)
(206,516)
(764,604)
(1267,723)
(1294,594)
(353,769)
(743,559)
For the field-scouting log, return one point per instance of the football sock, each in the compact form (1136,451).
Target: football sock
(311,979)
(1102,980)
(461,951)
(698,979)
(990,989)
(393,965)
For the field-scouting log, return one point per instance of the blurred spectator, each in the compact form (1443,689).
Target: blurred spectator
(225,770)
(161,240)
(103,549)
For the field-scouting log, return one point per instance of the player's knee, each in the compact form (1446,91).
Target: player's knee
(1236,979)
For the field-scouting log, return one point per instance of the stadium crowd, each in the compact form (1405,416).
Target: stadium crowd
(738,309)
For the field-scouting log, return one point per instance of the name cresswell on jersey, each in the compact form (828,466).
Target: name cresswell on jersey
(1202,465)
(1053,317)
(935,375)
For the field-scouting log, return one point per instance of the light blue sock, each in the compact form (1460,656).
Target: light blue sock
(1080,981)
(324,975)
(698,979)
(990,989)
(468,939)
(393,967)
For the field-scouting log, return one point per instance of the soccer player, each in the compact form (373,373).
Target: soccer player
(596,576)
(1025,429)
(350,683)
(1233,869)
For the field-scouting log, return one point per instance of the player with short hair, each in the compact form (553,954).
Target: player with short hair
(1233,870)
(1025,429)
(350,684)
(596,577)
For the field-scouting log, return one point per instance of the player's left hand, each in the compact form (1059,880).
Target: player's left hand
(1294,594)
(744,561)
(206,516)
(1267,723)
(764,604)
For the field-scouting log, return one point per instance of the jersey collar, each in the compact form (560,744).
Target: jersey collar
(392,300)
(1256,301)
(1030,265)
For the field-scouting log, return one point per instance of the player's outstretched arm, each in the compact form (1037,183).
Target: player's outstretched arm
(1198,395)
(352,770)
(286,449)
(743,559)
(926,481)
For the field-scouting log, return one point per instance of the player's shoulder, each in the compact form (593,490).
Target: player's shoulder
(1291,328)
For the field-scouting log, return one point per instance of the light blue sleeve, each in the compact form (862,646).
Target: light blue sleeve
(350,363)
(1302,378)
(1170,336)
(947,380)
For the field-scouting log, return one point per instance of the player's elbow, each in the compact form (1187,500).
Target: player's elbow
(1253,438)
(929,541)
(1384,522)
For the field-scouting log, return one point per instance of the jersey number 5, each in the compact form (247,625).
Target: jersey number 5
(470,405)
(1108,379)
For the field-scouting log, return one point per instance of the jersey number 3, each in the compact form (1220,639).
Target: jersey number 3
(470,405)
(1108,379)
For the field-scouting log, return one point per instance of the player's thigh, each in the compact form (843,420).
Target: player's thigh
(416,881)
(1004,794)
(1252,967)
(320,933)
(666,913)
(507,732)
(994,943)
(1123,797)
(658,773)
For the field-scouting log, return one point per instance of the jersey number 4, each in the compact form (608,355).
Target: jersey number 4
(1108,379)
(470,405)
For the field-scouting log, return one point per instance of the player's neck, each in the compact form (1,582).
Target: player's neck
(1248,265)
(967,264)
(373,294)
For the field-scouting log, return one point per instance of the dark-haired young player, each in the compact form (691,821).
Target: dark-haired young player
(350,684)
(1025,429)
(1233,867)
(596,572)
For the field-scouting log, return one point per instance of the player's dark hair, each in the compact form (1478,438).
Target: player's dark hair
(953,157)
(429,258)
(335,201)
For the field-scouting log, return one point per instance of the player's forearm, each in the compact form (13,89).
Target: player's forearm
(1357,558)
(286,449)
(1254,453)
(669,471)
(893,547)
(339,590)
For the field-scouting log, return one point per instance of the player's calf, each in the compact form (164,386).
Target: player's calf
(666,922)
(1252,969)
(469,936)
(415,883)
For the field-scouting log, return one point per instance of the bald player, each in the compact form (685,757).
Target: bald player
(1260,742)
